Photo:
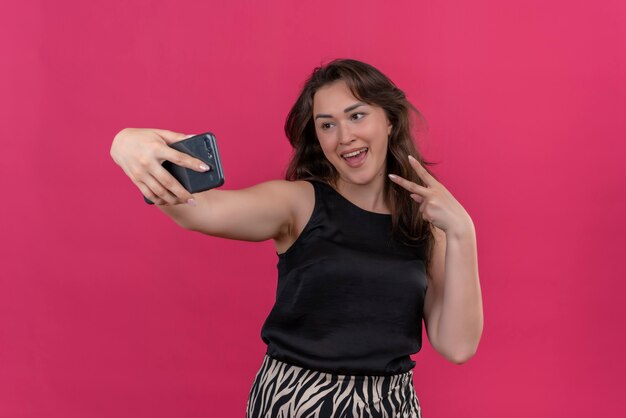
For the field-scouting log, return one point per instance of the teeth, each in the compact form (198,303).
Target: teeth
(352,154)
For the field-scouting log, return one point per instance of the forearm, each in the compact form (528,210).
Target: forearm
(461,321)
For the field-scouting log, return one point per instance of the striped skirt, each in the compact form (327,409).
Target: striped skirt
(282,390)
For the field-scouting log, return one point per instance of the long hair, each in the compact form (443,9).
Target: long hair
(371,86)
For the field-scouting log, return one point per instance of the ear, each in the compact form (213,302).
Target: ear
(389,128)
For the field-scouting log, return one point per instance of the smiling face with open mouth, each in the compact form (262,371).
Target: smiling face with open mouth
(353,135)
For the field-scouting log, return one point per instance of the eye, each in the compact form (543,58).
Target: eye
(327,125)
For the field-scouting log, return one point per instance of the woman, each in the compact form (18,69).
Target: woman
(369,244)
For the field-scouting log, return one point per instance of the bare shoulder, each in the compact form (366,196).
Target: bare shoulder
(297,194)
(302,190)
(301,197)
(286,192)
(304,194)
(289,188)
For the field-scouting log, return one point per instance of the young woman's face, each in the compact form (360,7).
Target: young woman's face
(353,135)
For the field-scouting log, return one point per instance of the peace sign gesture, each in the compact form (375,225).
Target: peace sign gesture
(437,205)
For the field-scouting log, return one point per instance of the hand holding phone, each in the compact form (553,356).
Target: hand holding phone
(204,148)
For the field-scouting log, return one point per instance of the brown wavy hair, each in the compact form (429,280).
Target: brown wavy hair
(371,86)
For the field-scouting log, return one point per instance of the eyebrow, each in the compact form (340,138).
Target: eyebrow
(346,110)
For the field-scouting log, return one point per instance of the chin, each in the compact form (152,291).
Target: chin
(363,176)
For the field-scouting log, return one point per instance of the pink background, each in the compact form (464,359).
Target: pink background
(109,309)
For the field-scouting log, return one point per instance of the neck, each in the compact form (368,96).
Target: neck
(369,196)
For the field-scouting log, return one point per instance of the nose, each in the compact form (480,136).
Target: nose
(345,135)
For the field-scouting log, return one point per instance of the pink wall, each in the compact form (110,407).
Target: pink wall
(109,309)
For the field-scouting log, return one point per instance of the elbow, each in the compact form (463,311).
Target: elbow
(460,356)
(461,353)
(461,359)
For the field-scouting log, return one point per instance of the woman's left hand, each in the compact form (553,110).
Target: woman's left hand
(437,205)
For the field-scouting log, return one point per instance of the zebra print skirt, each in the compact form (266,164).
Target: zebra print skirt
(282,390)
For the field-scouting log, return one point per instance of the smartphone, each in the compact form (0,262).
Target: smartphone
(202,147)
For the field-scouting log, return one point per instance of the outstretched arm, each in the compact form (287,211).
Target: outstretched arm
(257,213)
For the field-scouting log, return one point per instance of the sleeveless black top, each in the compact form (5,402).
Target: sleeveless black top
(349,297)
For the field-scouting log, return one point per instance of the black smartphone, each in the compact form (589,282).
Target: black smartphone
(202,147)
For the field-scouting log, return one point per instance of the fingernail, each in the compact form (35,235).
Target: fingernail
(392,176)
(191,202)
(204,167)
(189,136)
(411,157)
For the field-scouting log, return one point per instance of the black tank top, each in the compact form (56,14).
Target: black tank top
(349,298)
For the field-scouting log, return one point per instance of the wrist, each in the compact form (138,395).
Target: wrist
(464,231)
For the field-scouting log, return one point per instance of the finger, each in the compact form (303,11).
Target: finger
(408,185)
(417,198)
(145,190)
(420,211)
(168,181)
(160,190)
(183,160)
(170,136)
(421,171)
